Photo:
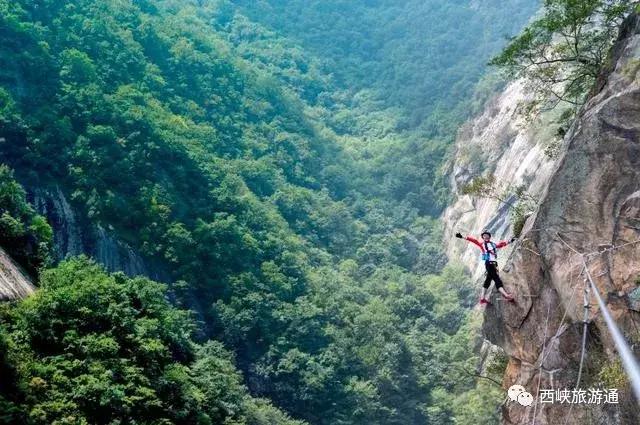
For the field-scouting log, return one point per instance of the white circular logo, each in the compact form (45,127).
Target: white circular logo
(525,399)
(514,391)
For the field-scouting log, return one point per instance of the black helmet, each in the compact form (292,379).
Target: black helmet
(485,232)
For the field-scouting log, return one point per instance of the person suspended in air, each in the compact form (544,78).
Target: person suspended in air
(490,258)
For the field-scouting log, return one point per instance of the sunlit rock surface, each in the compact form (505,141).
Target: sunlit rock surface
(500,142)
(14,282)
(590,202)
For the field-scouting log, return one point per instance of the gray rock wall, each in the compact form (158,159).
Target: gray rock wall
(591,203)
(74,236)
(14,282)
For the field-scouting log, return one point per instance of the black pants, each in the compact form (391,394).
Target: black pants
(492,274)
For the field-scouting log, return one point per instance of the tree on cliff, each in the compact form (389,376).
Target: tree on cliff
(25,234)
(561,53)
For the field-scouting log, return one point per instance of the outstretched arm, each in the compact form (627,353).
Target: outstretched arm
(502,244)
(474,241)
(469,238)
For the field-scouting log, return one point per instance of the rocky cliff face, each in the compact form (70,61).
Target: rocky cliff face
(502,143)
(590,203)
(14,282)
(74,236)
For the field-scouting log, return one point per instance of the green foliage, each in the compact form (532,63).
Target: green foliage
(479,406)
(287,183)
(410,53)
(24,234)
(102,348)
(403,340)
(498,364)
(612,375)
(92,348)
(524,206)
(520,203)
(480,186)
(518,218)
(397,77)
(562,52)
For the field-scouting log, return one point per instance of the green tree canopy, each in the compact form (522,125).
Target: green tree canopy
(562,52)
(93,348)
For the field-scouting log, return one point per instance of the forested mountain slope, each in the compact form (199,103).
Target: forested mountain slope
(407,74)
(419,56)
(292,213)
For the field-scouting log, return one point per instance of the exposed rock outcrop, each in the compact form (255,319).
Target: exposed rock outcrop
(75,236)
(14,282)
(54,206)
(498,142)
(590,203)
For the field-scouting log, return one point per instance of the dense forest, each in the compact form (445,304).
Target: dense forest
(282,161)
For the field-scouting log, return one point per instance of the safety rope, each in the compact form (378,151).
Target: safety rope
(585,323)
(544,344)
(545,354)
(628,360)
(566,310)
(612,248)
(583,350)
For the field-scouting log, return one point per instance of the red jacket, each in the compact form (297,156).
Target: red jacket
(493,255)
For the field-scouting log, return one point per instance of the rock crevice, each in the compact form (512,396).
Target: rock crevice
(589,202)
(590,205)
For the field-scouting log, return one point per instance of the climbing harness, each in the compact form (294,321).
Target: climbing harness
(629,362)
(487,253)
